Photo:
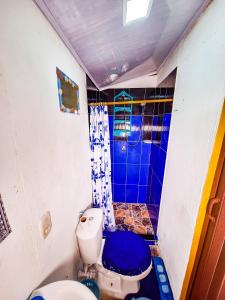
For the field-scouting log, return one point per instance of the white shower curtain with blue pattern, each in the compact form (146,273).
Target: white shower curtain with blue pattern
(101,163)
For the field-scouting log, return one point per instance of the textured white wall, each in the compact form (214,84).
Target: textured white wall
(44,153)
(199,95)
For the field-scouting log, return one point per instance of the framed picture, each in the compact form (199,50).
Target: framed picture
(68,92)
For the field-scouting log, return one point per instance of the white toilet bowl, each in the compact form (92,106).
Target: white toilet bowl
(115,284)
(61,290)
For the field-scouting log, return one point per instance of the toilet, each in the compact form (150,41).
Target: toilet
(121,260)
(61,290)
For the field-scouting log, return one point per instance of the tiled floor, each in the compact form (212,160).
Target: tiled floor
(136,218)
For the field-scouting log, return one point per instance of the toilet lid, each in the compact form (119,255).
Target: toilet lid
(126,253)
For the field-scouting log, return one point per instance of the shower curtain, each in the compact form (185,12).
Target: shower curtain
(101,164)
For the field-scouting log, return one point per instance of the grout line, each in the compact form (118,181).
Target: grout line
(126,172)
(140,160)
(161,183)
(161,148)
(150,192)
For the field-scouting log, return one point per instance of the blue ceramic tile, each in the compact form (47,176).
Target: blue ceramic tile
(120,152)
(144,170)
(111,152)
(119,193)
(156,189)
(131,193)
(165,133)
(136,131)
(166,120)
(149,183)
(158,164)
(112,173)
(154,155)
(133,174)
(158,194)
(154,122)
(164,140)
(150,175)
(152,191)
(113,192)
(111,127)
(137,121)
(142,195)
(119,172)
(148,193)
(145,153)
(134,150)
(161,164)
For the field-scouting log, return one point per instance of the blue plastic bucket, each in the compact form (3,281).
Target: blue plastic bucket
(92,285)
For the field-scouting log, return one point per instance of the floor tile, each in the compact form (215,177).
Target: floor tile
(134,217)
(120,213)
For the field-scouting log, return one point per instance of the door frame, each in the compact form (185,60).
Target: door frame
(199,230)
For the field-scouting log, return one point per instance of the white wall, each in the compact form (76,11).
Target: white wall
(199,95)
(44,153)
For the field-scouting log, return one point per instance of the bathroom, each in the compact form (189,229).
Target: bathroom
(172,80)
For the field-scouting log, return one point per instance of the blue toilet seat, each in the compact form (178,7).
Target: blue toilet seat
(126,253)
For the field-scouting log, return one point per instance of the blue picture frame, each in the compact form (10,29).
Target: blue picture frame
(62,81)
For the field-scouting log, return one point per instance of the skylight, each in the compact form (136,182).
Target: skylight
(136,9)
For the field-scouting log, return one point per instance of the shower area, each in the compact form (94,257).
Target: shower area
(139,124)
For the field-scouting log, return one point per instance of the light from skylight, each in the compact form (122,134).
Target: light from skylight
(137,9)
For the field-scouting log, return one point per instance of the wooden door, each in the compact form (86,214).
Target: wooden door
(208,282)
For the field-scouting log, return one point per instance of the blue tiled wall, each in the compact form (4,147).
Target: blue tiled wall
(138,167)
(157,163)
(130,165)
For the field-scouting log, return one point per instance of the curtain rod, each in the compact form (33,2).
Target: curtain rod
(130,102)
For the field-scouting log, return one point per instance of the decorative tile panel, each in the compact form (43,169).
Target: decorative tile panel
(133,217)
(4,224)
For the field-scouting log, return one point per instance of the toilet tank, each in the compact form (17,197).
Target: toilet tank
(89,235)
